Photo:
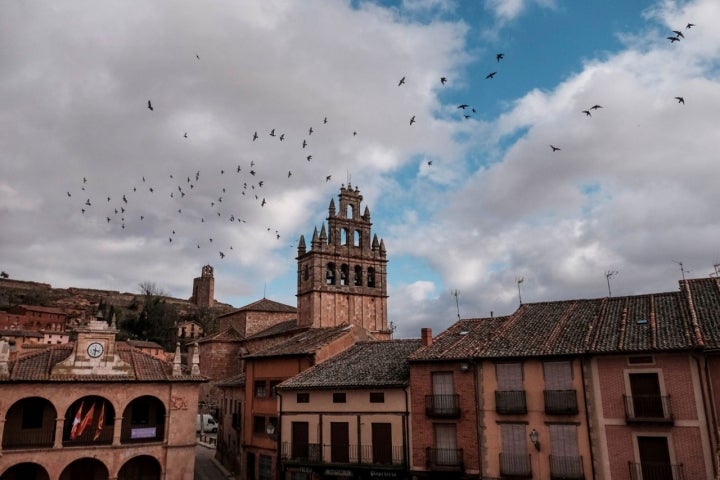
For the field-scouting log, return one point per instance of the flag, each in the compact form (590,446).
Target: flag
(86,420)
(76,421)
(101,421)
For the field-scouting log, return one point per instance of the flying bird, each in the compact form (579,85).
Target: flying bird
(554,148)
(587,113)
(490,75)
(463,106)
(304,143)
(443,80)
(282,137)
(690,25)
(310,130)
(68,194)
(429,162)
(185,135)
(678,33)
(272,132)
(673,39)
(262,204)
(680,100)
(327,179)
(150,105)
(289,173)
(325,120)
(255,136)
(402,81)
(595,107)
(309,157)
(499,56)
(412,120)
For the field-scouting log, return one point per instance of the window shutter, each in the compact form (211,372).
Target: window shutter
(442,383)
(513,438)
(558,375)
(563,441)
(509,376)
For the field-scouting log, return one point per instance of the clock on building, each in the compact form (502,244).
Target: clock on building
(95,349)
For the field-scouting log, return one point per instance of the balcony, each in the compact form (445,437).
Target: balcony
(515,465)
(656,471)
(367,455)
(28,439)
(648,409)
(442,406)
(91,437)
(566,468)
(510,402)
(560,402)
(446,459)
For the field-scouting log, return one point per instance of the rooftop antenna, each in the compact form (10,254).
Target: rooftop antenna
(716,266)
(682,270)
(456,294)
(519,281)
(609,274)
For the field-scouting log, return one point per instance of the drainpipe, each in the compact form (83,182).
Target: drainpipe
(278,432)
(478,413)
(711,409)
(587,415)
(406,432)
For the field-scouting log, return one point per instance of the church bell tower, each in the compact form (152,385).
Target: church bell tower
(342,278)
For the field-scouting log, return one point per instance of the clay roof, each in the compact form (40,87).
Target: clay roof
(143,344)
(230,334)
(37,308)
(37,367)
(21,333)
(683,320)
(365,365)
(305,343)
(277,329)
(236,381)
(264,305)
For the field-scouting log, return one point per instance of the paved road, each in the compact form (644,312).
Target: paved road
(205,467)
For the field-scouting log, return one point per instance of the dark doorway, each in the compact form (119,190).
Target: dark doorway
(655,458)
(645,390)
(339,442)
(299,448)
(25,471)
(382,443)
(85,468)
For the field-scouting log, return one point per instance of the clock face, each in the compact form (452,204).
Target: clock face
(95,349)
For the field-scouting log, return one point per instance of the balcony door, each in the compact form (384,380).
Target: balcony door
(299,433)
(382,443)
(655,458)
(446,453)
(339,442)
(443,391)
(646,399)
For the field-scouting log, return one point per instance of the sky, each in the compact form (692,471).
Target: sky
(478,213)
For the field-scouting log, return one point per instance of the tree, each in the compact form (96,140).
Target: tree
(4,274)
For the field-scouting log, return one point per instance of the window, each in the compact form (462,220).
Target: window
(357,279)
(356,238)
(565,461)
(344,274)
(371,277)
(514,457)
(265,466)
(32,413)
(343,236)
(446,452)
(377,397)
(558,375)
(330,274)
(273,384)
(339,397)
(260,389)
(303,398)
(258,424)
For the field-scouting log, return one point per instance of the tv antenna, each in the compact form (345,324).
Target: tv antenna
(682,270)
(456,294)
(519,281)
(609,274)
(716,266)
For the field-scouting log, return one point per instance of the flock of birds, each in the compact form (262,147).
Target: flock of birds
(207,202)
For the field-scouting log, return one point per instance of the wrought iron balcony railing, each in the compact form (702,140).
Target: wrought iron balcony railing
(648,409)
(28,439)
(515,465)
(656,471)
(510,402)
(343,454)
(442,406)
(560,402)
(566,467)
(448,459)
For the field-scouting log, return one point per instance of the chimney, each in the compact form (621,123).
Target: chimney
(426,337)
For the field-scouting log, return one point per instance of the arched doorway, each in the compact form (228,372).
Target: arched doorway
(143,421)
(85,468)
(143,467)
(90,420)
(25,471)
(29,423)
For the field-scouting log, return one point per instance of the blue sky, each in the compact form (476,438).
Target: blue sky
(632,189)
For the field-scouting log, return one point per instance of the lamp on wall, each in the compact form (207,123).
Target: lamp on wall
(535,439)
(464,367)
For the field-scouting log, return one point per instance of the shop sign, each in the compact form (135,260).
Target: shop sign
(338,473)
(376,474)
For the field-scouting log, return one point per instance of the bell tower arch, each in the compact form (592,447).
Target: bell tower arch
(342,276)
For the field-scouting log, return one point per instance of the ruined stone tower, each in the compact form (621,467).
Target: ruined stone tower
(342,278)
(204,288)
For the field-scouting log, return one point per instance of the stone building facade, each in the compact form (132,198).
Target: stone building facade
(203,294)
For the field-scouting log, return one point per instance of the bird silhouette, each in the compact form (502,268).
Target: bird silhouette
(272,132)
(262,204)
(690,25)
(595,107)
(463,106)
(673,39)
(309,157)
(310,131)
(678,33)
(680,100)
(587,113)
(282,137)
(402,81)
(304,144)
(490,75)
(68,194)
(185,135)
(222,255)
(324,120)
(255,136)
(327,179)
(289,174)
(429,162)
(554,148)
(499,56)
(443,80)
(412,120)
(150,105)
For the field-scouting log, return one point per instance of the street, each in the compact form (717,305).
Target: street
(205,467)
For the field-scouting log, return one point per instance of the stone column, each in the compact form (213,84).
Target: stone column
(59,425)
(117,431)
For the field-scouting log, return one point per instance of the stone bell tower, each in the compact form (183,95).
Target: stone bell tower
(342,278)
(204,288)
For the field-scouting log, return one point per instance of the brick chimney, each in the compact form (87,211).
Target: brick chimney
(426,337)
